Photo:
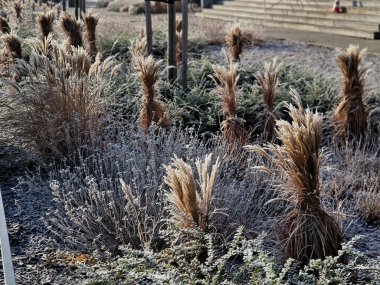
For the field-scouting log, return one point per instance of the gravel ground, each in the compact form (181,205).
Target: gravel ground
(40,259)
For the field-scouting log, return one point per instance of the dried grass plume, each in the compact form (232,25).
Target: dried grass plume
(189,207)
(267,82)
(351,114)
(308,231)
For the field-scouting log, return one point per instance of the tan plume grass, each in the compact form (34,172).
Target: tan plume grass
(232,127)
(152,110)
(235,40)
(4,26)
(139,47)
(267,82)
(178,25)
(190,207)
(71,27)
(45,23)
(90,22)
(58,8)
(17,8)
(351,114)
(13,44)
(178,48)
(308,231)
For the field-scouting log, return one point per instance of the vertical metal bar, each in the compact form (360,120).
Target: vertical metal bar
(9,275)
(64,5)
(84,6)
(185,29)
(148,27)
(172,70)
(76,9)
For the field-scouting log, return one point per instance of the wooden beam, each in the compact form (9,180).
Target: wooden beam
(185,30)
(172,70)
(148,27)
(9,275)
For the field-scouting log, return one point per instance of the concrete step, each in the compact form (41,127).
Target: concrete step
(336,21)
(306,26)
(368,6)
(352,13)
(300,12)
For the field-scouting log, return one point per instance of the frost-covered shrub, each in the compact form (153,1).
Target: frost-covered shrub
(92,211)
(199,260)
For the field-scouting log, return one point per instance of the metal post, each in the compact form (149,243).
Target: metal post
(9,275)
(64,5)
(185,29)
(148,27)
(76,9)
(172,70)
(84,6)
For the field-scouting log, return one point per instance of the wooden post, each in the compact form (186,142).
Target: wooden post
(77,9)
(9,276)
(185,29)
(172,70)
(148,26)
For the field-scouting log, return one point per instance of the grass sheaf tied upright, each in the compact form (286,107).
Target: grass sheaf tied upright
(45,23)
(351,114)
(13,45)
(235,40)
(90,22)
(17,8)
(190,207)
(308,230)
(152,110)
(4,26)
(232,127)
(71,27)
(267,82)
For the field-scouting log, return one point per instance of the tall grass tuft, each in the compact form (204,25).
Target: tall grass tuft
(71,27)
(351,114)
(13,45)
(309,231)
(45,23)
(267,82)
(90,22)
(191,208)
(17,8)
(4,26)
(152,110)
(235,40)
(232,127)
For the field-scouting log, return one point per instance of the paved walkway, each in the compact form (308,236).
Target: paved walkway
(321,39)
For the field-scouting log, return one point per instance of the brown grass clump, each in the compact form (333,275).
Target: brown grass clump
(4,26)
(351,114)
(13,45)
(267,82)
(90,22)
(139,47)
(17,8)
(309,231)
(178,48)
(178,25)
(71,27)
(45,23)
(232,127)
(152,109)
(235,40)
(191,208)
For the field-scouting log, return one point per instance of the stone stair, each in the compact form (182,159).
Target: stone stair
(315,16)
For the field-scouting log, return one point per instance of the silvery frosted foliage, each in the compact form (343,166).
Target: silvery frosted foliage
(92,209)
